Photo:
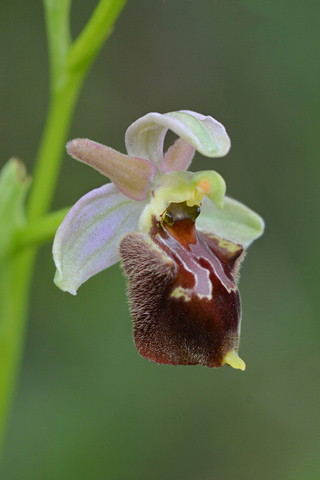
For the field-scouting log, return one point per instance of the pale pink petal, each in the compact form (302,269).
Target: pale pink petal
(178,157)
(131,175)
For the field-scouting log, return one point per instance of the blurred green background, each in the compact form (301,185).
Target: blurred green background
(88,407)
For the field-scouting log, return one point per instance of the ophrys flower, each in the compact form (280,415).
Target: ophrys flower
(180,239)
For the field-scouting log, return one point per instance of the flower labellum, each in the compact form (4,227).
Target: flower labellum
(184,299)
(179,238)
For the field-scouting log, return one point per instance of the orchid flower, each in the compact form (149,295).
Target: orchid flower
(179,238)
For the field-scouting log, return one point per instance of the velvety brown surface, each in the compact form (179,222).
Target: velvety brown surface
(199,325)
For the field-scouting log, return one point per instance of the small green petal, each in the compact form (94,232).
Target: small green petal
(212,185)
(178,187)
(234,221)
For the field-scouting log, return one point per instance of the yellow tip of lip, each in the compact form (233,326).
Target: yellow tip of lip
(233,359)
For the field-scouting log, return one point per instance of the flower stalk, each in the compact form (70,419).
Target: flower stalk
(31,226)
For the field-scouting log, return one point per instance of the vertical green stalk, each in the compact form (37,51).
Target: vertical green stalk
(51,150)
(16,271)
(69,63)
(14,294)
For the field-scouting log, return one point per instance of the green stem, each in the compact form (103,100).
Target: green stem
(40,231)
(14,293)
(52,147)
(69,65)
(96,31)
(15,273)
